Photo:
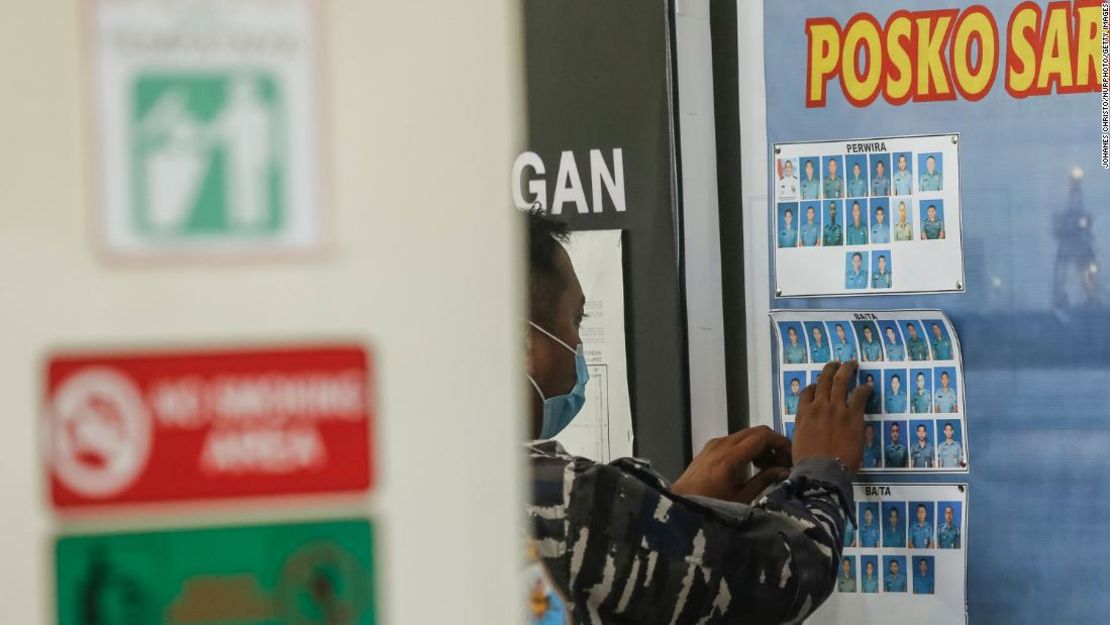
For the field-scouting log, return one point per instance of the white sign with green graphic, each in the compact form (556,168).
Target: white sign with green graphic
(208,126)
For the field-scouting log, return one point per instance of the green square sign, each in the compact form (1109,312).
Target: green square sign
(303,574)
(207,154)
(208,122)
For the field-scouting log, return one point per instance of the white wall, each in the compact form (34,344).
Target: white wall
(423,115)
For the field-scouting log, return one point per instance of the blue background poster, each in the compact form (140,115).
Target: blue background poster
(1033,321)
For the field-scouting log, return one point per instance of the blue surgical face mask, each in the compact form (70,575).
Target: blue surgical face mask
(560,410)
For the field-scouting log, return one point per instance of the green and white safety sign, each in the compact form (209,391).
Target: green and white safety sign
(208,126)
(284,574)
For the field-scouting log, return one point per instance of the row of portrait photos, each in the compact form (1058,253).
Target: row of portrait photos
(868,175)
(875,221)
(913,444)
(896,391)
(930,525)
(878,341)
(893,577)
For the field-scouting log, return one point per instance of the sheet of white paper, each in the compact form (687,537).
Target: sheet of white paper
(915,593)
(603,430)
(916,417)
(907,238)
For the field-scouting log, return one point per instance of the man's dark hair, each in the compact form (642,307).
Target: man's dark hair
(545,283)
(895,377)
(948,424)
(857,255)
(921,506)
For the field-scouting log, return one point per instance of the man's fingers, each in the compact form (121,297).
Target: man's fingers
(857,401)
(842,381)
(767,477)
(825,380)
(761,441)
(808,393)
(775,457)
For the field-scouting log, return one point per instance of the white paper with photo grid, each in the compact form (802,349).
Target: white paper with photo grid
(602,431)
(923,320)
(946,605)
(916,265)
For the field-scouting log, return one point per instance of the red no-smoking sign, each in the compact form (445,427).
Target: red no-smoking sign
(186,425)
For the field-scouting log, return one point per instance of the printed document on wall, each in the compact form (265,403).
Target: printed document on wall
(906,562)
(915,420)
(603,430)
(867,216)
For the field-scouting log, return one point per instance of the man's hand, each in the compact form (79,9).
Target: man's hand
(720,471)
(830,421)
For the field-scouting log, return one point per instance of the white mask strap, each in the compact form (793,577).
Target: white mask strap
(537,387)
(554,338)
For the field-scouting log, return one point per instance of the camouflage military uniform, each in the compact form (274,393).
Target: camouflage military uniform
(624,549)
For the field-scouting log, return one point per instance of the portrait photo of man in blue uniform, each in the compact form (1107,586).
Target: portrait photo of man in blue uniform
(895,455)
(819,350)
(849,534)
(882,276)
(788,230)
(948,529)
(892,341)
(869,581)
(833,183)
(869,524)
(921,395)
(856,275)
(950,451)
(903,223)
(916,346)
(794,350)
(894,580)
(880,175)
(856,230)
(903,174)
(946,399)
(874,403)
(932,178)
(921,450)
(880,227)
(792,383)
(894,391)
(844,341)
(857,176)
(809,233)
(871,348)
(811,179)
(872,450)
(846,581)
(923,583)
(921,528)
(894,528)
(939,340)
(833,232)
(932,219)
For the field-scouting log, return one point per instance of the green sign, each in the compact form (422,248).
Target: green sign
(304,574)
(207,154)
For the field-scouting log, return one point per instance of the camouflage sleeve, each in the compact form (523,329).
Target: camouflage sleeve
(623,549)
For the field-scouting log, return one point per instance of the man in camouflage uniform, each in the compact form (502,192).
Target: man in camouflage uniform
(715,547)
